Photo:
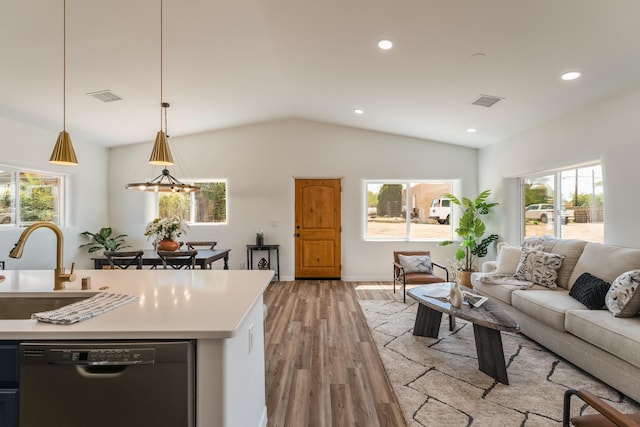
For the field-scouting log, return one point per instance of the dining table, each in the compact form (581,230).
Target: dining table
(204,259)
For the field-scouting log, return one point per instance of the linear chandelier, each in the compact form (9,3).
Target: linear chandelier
(63,152)
(161,153)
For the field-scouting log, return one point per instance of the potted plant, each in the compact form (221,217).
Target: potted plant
(103,240)
(165,231)
(471,229)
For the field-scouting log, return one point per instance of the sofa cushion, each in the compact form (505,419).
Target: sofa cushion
(618,336)
(547,306)
(605,261)
(416,263)
(623,298)
(508,258)
(571,249)
(498,291)
(590,291)
(539,267)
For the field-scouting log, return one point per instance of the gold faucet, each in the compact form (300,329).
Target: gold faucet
(60,277)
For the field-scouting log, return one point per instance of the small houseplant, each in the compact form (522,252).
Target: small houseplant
(165,231)
(471,229)
(103,240)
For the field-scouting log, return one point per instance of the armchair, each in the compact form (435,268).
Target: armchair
(607,416)
(402,277)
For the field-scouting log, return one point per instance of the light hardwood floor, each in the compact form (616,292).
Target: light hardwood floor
(322,367)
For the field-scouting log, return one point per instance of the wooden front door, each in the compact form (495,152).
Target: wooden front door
(317,230)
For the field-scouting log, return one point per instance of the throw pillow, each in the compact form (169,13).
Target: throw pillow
(623,298)
(590,291)
(508,258)
(539,267)
(416,263)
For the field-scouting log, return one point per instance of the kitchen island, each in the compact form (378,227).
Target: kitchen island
(221,310)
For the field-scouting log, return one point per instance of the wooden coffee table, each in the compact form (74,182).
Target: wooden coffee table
(488,320)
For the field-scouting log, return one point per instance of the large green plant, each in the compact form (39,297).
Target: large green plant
(472,228)
(103,240)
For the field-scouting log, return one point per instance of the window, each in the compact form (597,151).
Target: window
(579,209)
(39,197)
(403,210)
(209,205)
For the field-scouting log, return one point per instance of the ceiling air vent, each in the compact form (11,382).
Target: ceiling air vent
(105,96)
(486,100)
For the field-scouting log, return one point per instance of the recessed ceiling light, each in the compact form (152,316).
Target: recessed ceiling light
(385,44)
(571,75)
(472,130)
(358,111)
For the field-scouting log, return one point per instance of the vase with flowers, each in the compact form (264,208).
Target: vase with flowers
(165,231)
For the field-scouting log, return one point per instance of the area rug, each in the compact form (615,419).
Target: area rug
(437,381)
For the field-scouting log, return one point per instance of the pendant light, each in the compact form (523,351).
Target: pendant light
(63,152)
(161,153)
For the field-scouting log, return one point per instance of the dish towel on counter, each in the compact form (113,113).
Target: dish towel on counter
(85,309)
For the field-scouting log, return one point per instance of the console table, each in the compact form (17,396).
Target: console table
(268,248)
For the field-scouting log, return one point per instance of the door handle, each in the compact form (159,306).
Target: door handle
(297,234)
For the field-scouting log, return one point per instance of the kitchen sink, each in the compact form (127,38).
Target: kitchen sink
(20,306)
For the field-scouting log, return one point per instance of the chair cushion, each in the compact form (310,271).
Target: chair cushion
(416,263)
(421,278)
(590,291)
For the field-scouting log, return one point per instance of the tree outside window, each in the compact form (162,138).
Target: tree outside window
(39,197)
(209,205)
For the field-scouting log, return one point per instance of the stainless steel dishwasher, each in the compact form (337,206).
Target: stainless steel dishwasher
(98,383)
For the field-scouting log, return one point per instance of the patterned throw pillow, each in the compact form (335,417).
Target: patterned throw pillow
(539,267)
(623,298)
(590,291)
(416,263)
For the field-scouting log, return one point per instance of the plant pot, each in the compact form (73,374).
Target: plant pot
(464,278)
(259,240)
(168,245)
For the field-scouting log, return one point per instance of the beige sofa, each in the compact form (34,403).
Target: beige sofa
(607,347)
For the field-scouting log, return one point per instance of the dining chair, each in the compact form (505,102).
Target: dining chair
(178,259)
(124,259)
(201,245)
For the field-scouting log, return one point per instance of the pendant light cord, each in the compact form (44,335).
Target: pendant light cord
(161,63)
(64,66)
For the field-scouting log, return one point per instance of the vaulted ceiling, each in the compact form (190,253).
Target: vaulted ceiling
(230,63)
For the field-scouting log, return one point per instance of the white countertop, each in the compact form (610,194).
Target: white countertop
(178,304)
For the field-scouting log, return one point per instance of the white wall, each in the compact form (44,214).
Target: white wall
(30,147)
(261,162)
(608,130)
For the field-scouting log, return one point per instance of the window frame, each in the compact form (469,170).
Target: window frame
(16,207)
(192,201)
(557,204)
(407,207)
